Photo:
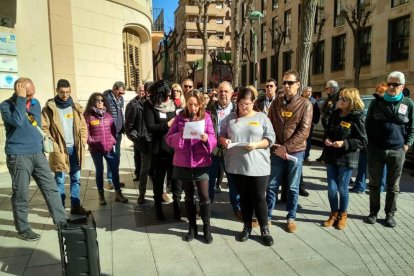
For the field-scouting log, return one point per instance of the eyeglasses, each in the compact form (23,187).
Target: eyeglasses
(188,86)
(394,84)
(99,100)
(344,99)
(269,85)
(290,83)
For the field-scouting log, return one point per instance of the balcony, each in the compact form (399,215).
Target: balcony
(212,11)
(191,26)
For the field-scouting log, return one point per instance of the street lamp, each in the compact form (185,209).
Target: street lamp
(253,16)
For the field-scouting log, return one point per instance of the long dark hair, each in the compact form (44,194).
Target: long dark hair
(245,93)
(91,103)
(195,93)
(159,91)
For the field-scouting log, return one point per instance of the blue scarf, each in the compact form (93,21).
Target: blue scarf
(393,99)
(62,104)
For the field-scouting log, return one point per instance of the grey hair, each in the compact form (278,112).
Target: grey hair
(333,84)
(307,87)
(398,75)
(118,85)
(227,83)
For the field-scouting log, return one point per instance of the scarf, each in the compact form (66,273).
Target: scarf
(99,112)
(393,99)
(62,104)
(165,107)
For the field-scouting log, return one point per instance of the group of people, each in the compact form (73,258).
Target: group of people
(260,142)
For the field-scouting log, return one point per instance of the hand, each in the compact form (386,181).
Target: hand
(338,144)
(204,137)
(281,151)
(225,142)
(406,147)
(21,90)
(170,122)
(328,142)
(251,146)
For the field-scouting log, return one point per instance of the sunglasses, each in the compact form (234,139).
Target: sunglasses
(188,86)
(394,84)
(290,83)
(269,86)
(343,99)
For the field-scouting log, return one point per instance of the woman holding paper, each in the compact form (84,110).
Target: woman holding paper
(248,160)
(344,136)
(192,136)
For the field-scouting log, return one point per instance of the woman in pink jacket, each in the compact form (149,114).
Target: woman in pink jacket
(101,141)
(192,159)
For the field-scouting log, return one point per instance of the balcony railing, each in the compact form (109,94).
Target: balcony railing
(158,20)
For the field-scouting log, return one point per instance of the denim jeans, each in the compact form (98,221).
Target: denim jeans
(213,174)
(361,178)
(294,170)
(74,175)
(338,180)
(118,153)
(113,165)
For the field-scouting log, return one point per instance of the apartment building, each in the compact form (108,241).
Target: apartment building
(190,50)
(386,43)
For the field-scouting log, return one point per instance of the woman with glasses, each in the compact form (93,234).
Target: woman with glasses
(101,141)
(177,96)
(247,135)
(344,136)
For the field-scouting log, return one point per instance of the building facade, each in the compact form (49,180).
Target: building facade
(386,43)
(91,43)
(190,49)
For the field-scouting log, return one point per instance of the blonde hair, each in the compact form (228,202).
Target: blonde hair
(253,89)
(353,95)
(176,86)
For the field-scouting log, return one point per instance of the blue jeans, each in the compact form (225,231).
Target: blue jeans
(338,180)
(118,153)
(361,178)
(213,173)
(113,165)
(294,170)
(74,175)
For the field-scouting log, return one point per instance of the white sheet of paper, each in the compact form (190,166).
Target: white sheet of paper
(193,130)
(239,144)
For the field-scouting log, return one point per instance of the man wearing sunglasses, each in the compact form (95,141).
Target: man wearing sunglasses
(390,130)
(187,85)
(291,117)
(263,102)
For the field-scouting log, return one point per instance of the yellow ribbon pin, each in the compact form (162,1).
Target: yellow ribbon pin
(345,124)
(287,114)
(95,123)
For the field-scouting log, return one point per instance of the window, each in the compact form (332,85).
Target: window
(288,23)
(251,41)
(220,35)
(398,38)
(219,5)
(338,53)
(338,17)
(8,13)
(132,58)
(365,51)
(263,6)
(273,67)
(287,60)
(318,57)
(263,37)
(275,4)
(251,72)
(243,46)
(219,20)
(395,3)
(263,70)
(319,16)
(244,75)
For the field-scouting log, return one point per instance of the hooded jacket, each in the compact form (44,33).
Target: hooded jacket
(52,126)
(191,153)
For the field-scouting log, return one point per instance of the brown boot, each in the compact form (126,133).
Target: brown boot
(119,197)
(102,200)
(342,221)
(331,220)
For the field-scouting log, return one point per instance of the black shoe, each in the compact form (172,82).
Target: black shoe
(244,234)
(208,238)
(371,219)
(177,210)
(192,232)
(390,221)
(79,210)
(355,191)
(28,235)
(303,192)
(122,184)
(266,237)
(320,159)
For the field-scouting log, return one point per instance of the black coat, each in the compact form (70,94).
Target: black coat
(135,128)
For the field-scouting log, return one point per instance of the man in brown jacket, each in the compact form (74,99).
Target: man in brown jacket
(291,117)
(62,119)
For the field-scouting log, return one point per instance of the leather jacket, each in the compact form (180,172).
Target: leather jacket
(291,121)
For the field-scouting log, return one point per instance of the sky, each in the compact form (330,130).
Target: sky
(169,7)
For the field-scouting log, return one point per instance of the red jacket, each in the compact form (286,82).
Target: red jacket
(101,132)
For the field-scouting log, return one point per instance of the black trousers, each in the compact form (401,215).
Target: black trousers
(252,190)
(162,166)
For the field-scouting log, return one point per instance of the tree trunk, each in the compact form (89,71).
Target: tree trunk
(305,38)
(357,60)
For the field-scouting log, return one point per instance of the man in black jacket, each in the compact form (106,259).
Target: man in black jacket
(263,102)
(390,130)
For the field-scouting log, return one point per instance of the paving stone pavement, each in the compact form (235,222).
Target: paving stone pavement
(132,242)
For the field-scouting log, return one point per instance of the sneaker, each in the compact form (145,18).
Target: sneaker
(165,198)
(80,211)
(141,199)
(28,235)
(217,189)
(255,223)
(291,225)
(109,186)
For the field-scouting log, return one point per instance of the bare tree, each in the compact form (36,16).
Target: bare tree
(357,17)
(277,35)
(202,31)
(239,29)
(305,38)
